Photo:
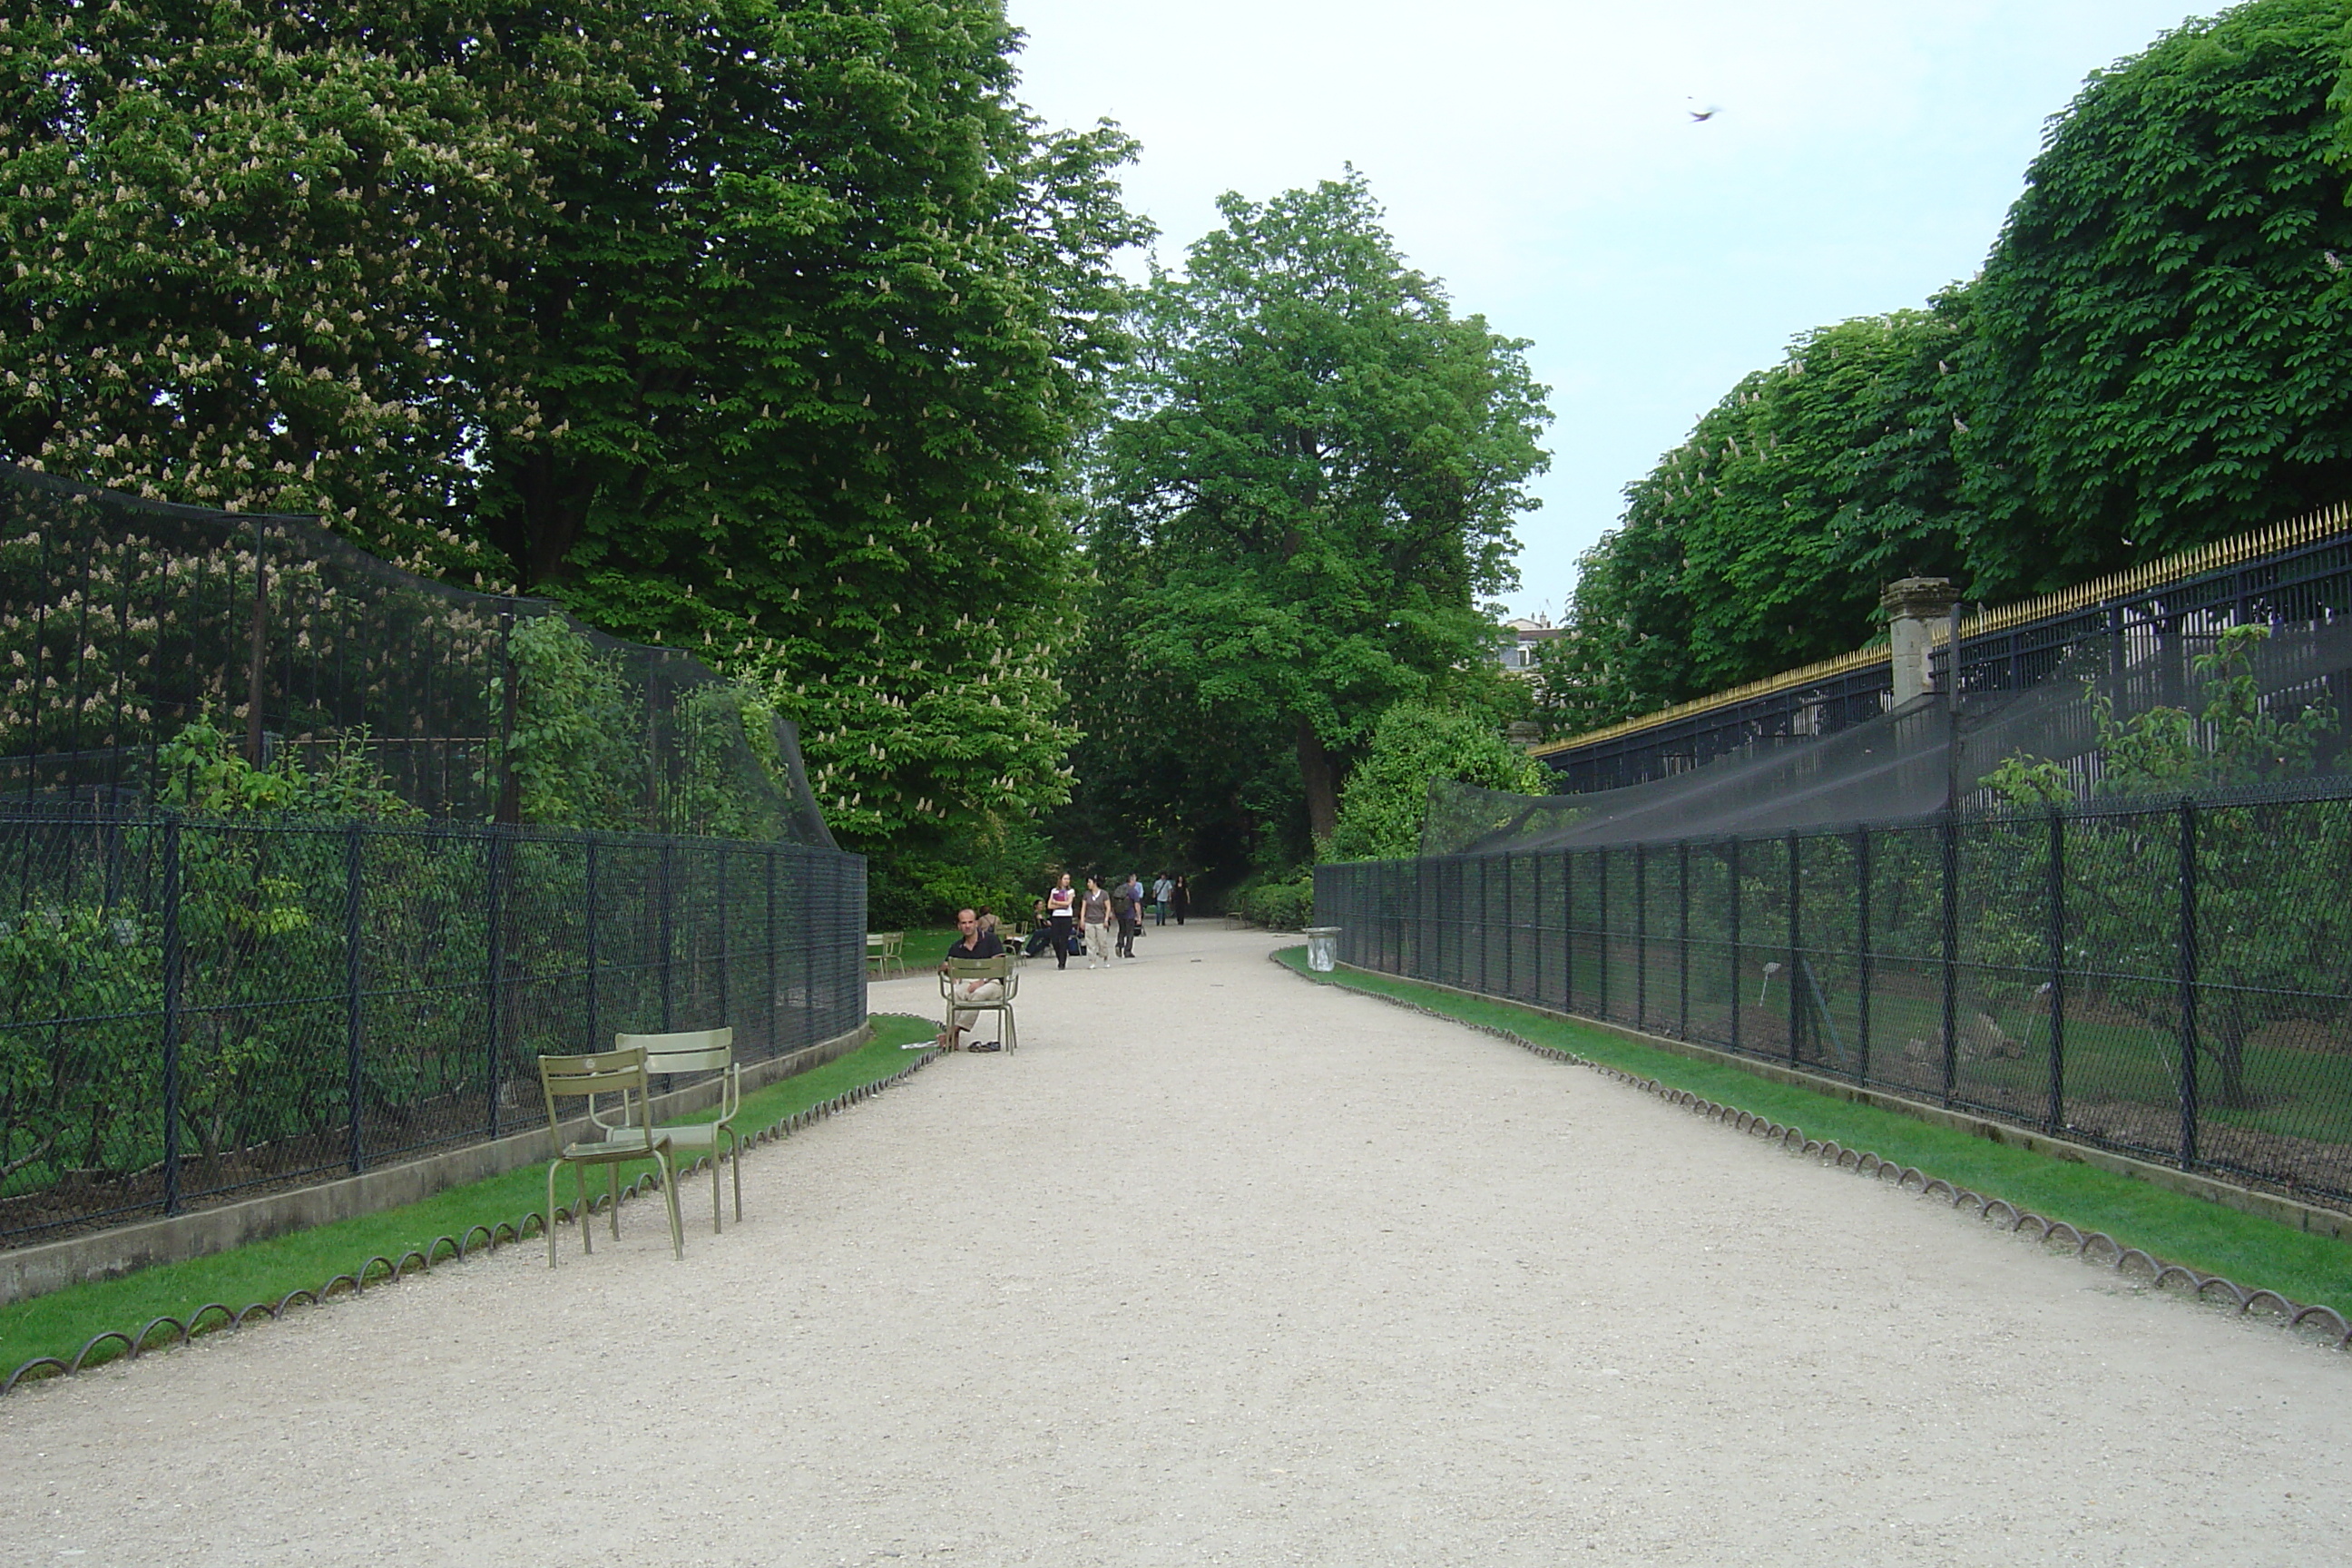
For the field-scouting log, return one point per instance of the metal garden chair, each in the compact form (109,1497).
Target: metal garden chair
(697,1050)
(620,1073)
(960,971)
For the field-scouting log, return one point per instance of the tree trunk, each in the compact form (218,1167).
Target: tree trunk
(1320,779)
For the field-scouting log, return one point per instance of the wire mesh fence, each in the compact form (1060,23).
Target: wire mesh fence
(124,622)
(311,856)
(2171,980)
(202,1009)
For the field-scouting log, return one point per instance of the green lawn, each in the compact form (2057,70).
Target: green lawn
(2256,1253)
(60,1323)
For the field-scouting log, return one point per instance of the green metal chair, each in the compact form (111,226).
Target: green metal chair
(697,1050)
(1000,968)
(619,1073)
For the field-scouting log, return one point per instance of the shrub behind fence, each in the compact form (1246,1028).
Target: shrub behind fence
(200,1007)
(2169,980)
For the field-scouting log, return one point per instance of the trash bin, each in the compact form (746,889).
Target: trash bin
(1323,948)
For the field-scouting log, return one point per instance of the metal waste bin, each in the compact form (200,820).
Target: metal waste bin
(1323,948)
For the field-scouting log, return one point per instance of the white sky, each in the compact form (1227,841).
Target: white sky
(1541,159)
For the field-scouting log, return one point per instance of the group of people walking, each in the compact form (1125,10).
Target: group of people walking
(1099,912)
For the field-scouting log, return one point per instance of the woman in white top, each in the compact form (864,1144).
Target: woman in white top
(1098,918)
(1061,915)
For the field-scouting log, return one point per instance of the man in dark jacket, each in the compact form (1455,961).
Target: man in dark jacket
(971,944)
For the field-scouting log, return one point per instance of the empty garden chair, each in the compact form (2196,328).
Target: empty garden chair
(697,1050)
(622,1075)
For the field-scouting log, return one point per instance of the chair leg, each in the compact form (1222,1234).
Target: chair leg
(714,1187)
(735,1163)
(669,1194)
(551,1164)
(579,1214)
(613,1179)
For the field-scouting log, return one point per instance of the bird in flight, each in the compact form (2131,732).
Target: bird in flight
(1700,116)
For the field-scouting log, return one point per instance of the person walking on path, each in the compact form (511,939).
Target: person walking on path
(1134,927)
(1122,913)
(975,942)
(1061,918)
(1160,890)
(1097,914)
(1181,897)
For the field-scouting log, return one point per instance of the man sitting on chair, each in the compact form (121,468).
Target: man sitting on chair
(974,943)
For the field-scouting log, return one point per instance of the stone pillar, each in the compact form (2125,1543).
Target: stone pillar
(1913,606)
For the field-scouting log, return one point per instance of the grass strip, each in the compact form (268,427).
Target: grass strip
(59,1323)
(2251,1251)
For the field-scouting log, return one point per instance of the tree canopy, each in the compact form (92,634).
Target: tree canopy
(1312,470)
(1414,744)
(766,330)
(1760,542)
(2156,355)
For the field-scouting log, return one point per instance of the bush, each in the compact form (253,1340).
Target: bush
(1388,793)
(1277,905)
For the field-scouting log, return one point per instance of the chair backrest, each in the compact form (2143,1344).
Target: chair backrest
(686,1050)
(621,1072)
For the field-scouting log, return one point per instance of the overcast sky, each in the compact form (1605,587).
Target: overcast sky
(1542,161)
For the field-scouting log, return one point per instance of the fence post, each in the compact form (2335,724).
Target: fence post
(668,945)
(2188,1108)
(1682,980)
(2057,901)
(1796,1005)
(1568,859)
(174,966)
(1641,935)
(507,806)
(1535,922)
(354,897)
(595,998)
(775,1042)
(1601,929)
(724,868)
(257,654)
(1862,952)
(1951,846)
(1731,870)
(494,988)
(1510,923)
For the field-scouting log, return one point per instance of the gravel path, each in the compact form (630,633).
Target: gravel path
(1224,1268)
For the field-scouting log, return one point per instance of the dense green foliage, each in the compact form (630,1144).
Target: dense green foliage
(257,256)
(2156,355)
(763,329)
(1388,793)
(2163,333)
(1310,478)
(1760,542)
(1279,903)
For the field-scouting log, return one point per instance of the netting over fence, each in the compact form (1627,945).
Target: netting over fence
(123,621)
(2170,979)
(1916,760)
(308,858)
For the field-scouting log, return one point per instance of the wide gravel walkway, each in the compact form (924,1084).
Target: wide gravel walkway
(1224,1267)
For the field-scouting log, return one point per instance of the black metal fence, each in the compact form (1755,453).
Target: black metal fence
(2153,622)
(197,1008)
(124,621)
(2171,981)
